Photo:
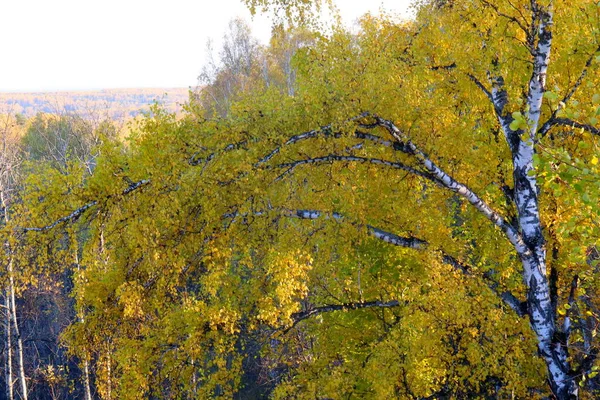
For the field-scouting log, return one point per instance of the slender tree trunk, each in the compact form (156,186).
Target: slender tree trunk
(21,363)
(108,346)
(9,373)
(12,308)
(86,363)
(86,380)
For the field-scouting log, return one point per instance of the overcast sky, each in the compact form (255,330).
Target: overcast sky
(51,45)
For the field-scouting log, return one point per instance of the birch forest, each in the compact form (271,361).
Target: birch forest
(404,210)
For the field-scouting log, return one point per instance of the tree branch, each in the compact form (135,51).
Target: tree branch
(409,242)
(509,17)
(302,315)
(482,87)
(552,120)
(570,302)
(81,210)
(333,157)
(537,82)
(453,185)
(567,122)
(69,218)
(403,147)
(435,174)
(303,136)
(232,146)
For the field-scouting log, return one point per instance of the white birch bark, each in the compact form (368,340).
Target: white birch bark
(20,358)
(86,382)
(8,372)
(522,144)
(12,309)
(528,240)
(86,363)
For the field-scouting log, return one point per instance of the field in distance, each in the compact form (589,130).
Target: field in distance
(116,104)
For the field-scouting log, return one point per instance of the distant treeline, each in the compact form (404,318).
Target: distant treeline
(110,103)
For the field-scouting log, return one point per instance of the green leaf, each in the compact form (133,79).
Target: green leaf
(515,125)
(586,198)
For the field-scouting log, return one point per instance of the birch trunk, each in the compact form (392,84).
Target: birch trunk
(12,309)
(522,143)
(86,362)
(86,377)
(9,373)
(21,363)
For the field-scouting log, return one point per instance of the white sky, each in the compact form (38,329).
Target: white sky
(49,45)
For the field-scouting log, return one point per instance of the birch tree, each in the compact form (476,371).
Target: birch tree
(524,123)
(417,220)
(9,166)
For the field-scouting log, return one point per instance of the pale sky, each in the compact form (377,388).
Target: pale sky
(49,45)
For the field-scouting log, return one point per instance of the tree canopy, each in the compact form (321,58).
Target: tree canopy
(412,214)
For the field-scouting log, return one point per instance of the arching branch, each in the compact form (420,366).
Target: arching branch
(511,18)
(376,161)
(459,188)
(81,210)
(410,242)
(302,315)
(69,218)
(570,123)
(303,136)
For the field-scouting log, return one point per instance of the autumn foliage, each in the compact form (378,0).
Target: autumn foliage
(409,211)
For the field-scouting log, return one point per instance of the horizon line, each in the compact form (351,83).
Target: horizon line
(41,91)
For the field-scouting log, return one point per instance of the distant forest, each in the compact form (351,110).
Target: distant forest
(114,104)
